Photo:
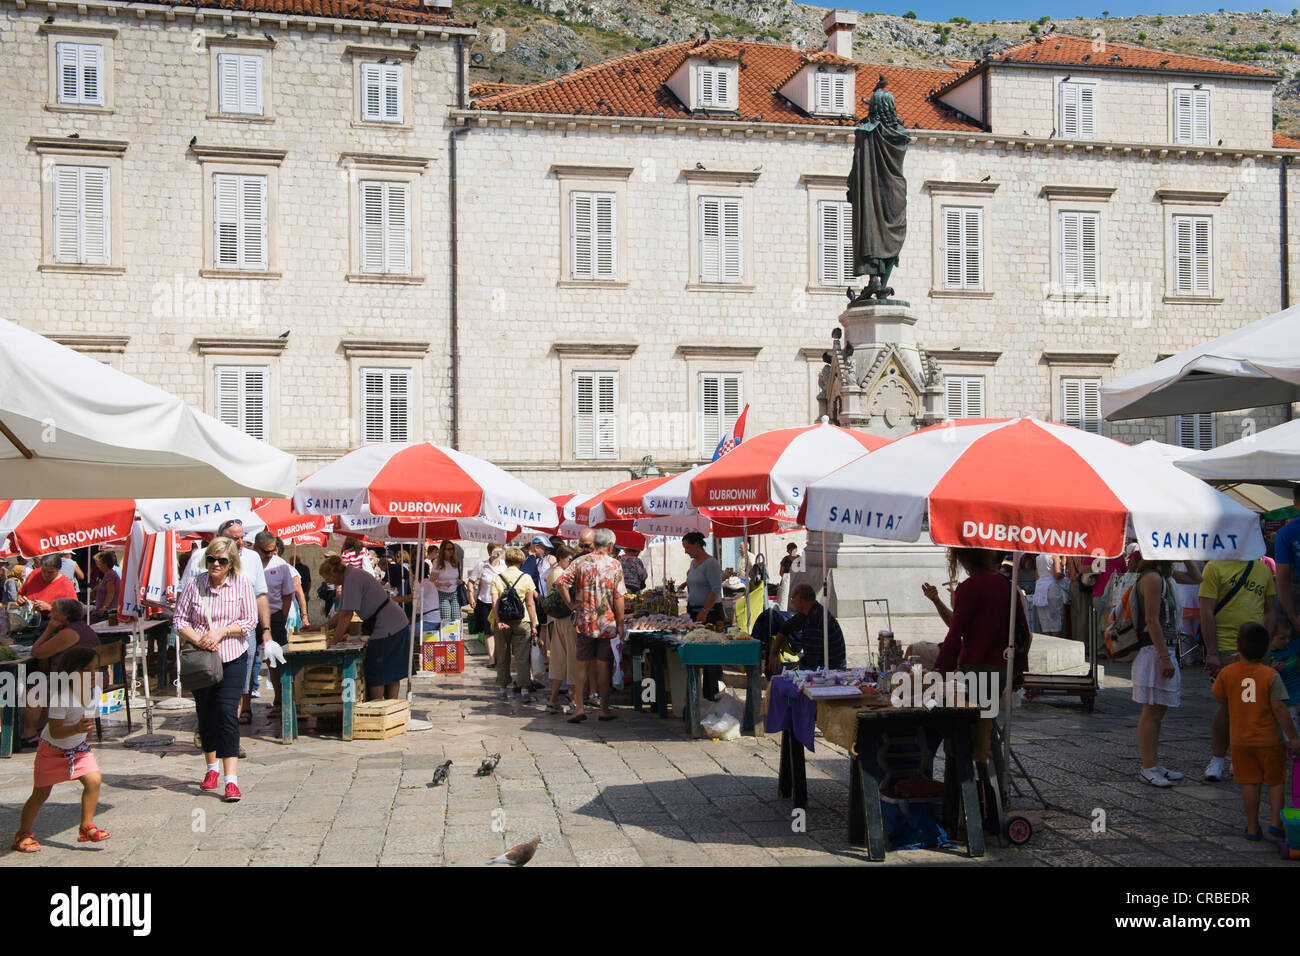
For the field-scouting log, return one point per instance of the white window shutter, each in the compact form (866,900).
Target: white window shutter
(1069,110)
(225,218)
(710,239)
(581,239)
(92,66)
(94,215)
(228,83)
(964,396)
(1183,116)
(840,92)
(1203,282)
(584,415)
(829,253)
(973,246)
(707,90)
(1087,111)
(733,264)
(255,402)
(606,264)
(239,81)
(67,58)
(952,248)
(385,404)
(253,220)
(399,407)
(227,395)
(1070,253)
(724,96)
(1081,403)
(397,229)
(1201,117)
(954,397)
(242,399)
(251,85)
(730,401)
(822,93)
(372,227)
(607,416)
(373,388)
(392,83)
(371,92)
(1088,241)
(710,413)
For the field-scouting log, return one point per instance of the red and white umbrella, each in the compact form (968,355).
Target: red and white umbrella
(198,514)
(622,502)
(283,522)
(421,481)
(148,572)
(1020,484)
(45,526)
(768,474)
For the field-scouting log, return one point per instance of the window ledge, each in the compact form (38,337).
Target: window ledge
(74,108)
(85,269)
(384,279)
(374,124)
(1096,298)
(718,287)
(239,118)
(960,294)
(589,284)
(826,290)
(1193,299)
(239,274)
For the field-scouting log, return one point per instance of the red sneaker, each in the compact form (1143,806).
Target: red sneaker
(209,780)
(232,793)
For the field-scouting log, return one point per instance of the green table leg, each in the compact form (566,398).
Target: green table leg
(8,720)
(637,689)
(693,701)
(876,845)
(753,691)
(349,699)
(288,710)
(970,804)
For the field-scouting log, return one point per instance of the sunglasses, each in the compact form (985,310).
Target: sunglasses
(221,561)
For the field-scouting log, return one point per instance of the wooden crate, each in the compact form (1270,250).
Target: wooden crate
(307,641)
(380,719)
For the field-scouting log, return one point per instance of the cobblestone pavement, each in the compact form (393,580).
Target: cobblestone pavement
(632,792)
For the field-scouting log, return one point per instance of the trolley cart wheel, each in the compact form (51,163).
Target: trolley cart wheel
(1019,830)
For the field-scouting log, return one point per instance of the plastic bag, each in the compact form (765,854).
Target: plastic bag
(616,648)
(538,660)
(721,726)
(727,704)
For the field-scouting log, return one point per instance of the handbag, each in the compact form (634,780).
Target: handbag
(554,605)
(462,594)
(200,668)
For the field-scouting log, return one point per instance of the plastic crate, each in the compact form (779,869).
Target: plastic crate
(112,702)
(443,657)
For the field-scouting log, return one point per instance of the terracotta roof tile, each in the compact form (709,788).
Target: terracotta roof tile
(633,85)
(1282,141)
(1066,50)
(485,88)
(386,11)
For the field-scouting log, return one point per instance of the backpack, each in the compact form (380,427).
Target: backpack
(554,606)
(510,606)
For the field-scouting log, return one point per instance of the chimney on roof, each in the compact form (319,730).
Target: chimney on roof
(839,25)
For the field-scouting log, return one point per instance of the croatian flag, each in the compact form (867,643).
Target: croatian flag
(737,435)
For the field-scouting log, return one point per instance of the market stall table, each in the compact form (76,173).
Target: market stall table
(12,699)
(155,629)
(743,653)
(345,655)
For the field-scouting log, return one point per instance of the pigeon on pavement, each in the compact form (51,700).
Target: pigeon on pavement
(440,774)
(487,766)
(518,855)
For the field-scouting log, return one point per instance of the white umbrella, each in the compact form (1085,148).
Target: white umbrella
(1251,367)
(1264,495)
(71,426)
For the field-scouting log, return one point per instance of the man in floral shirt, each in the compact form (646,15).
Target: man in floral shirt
(594,589)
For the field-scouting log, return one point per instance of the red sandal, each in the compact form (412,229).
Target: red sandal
(92,834)
(25,843)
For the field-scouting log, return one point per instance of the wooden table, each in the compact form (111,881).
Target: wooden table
(13,695)
(744,653)
(346,655)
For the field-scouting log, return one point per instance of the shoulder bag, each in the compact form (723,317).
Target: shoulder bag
(200,668)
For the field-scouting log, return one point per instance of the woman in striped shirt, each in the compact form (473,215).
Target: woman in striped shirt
(218,612)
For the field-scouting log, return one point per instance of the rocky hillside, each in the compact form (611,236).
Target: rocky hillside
(525,40)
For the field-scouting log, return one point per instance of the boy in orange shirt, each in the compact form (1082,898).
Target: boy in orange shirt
(1254,699)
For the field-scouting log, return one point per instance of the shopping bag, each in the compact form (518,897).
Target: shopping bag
(538,661)
(616,648)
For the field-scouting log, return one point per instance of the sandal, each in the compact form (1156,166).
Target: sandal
(246,717)
(25,843)
(577,718)
(91,834)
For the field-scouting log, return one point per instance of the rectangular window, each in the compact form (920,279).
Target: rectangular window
(81,215)
(714,86)
(592,238)
(381,92)
(964,396)
(385,228)
(1195,431)
(595,415)
(834,242)
(721,243)
(720,404)
(80,68)
(1078,112)
(239,219)
(241,398)
(831,93)
(385,404)
(1192,117)
(1081,403)
(1079,236)
(239,83)
(1193,274)
(963,247)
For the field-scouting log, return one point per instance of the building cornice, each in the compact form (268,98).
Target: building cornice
(251,19)
(387,159)
(735,352)
(240,344)
(1091,359)
(721,177)
(812,353)
(61,144)
(1094,193)
(75,29)
(383,348)
(254,43)
(793,132)
(1200,197)
(824,180)
(393,53)
(954,186)
(610,350)
(238,154)
(960,356)
(587,171)
(91,342)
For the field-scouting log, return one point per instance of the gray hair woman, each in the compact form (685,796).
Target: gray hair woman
(217,611)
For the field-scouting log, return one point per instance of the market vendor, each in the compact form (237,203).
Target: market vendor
(804,629)
(46,585)
(704,600)
(383,622)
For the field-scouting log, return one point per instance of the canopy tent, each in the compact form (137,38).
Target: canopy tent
(71,426)
(1250,367)
(47,526)
(1263,496)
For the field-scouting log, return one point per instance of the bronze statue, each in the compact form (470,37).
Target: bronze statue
(878,193)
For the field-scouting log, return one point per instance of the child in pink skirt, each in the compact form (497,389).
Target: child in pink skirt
(63,753)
